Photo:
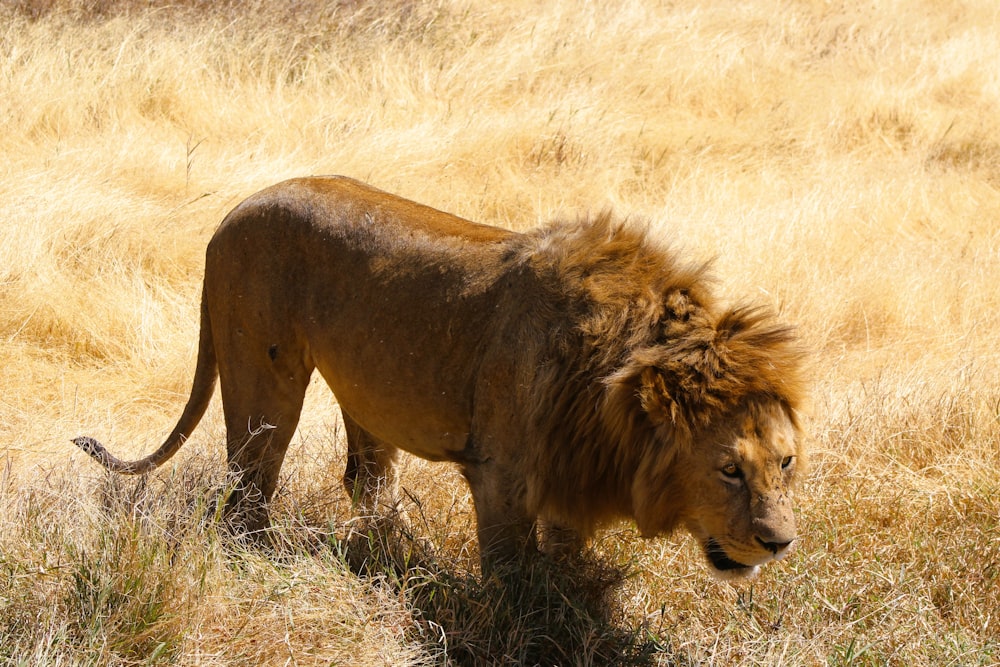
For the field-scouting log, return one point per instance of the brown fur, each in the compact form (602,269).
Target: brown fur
(578,374)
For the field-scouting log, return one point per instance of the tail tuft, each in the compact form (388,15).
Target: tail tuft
(89,445)
(94,448)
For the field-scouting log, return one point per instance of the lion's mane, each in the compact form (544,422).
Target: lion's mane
(646,357)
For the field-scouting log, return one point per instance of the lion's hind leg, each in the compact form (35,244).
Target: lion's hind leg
(370,475)
(262,402)
(380,531)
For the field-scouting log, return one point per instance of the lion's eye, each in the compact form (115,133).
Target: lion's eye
(787,462)
(732,471)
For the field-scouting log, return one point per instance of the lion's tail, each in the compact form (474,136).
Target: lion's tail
(202,387)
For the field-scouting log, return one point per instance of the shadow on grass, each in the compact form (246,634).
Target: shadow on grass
(565,613)
(549,614)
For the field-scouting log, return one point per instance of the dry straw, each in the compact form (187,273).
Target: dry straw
(840,161)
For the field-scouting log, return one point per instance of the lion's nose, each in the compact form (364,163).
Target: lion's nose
(774,547)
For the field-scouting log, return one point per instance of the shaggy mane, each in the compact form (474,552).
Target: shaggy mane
(647,359)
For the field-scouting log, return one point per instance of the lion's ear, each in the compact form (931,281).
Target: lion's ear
(655,398)
(645,381)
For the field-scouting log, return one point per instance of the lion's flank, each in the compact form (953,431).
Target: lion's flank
(650,357)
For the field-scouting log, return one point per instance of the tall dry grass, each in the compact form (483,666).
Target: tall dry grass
(839,160)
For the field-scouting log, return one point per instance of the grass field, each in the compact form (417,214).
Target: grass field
(838,160)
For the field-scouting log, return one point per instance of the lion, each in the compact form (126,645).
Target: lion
(578,374)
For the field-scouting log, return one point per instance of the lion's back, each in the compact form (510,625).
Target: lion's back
(339,204)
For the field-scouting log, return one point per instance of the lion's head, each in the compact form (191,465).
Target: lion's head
(725,400)
(695,423)
(737,478)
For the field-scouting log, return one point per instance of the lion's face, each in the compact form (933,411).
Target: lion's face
(737,489)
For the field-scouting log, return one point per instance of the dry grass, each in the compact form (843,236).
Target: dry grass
(840,160)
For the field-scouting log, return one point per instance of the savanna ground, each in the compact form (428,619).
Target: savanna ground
(840,160)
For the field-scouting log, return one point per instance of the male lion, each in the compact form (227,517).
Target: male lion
(576,374)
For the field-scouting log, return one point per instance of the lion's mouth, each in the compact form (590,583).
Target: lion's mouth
(719,560)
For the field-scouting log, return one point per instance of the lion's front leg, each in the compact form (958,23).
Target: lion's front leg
(506,530)
(559,541)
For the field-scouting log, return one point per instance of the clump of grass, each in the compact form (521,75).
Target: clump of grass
(149,573)
(108,595)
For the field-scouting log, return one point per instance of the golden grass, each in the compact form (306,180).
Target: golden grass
(839,160)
